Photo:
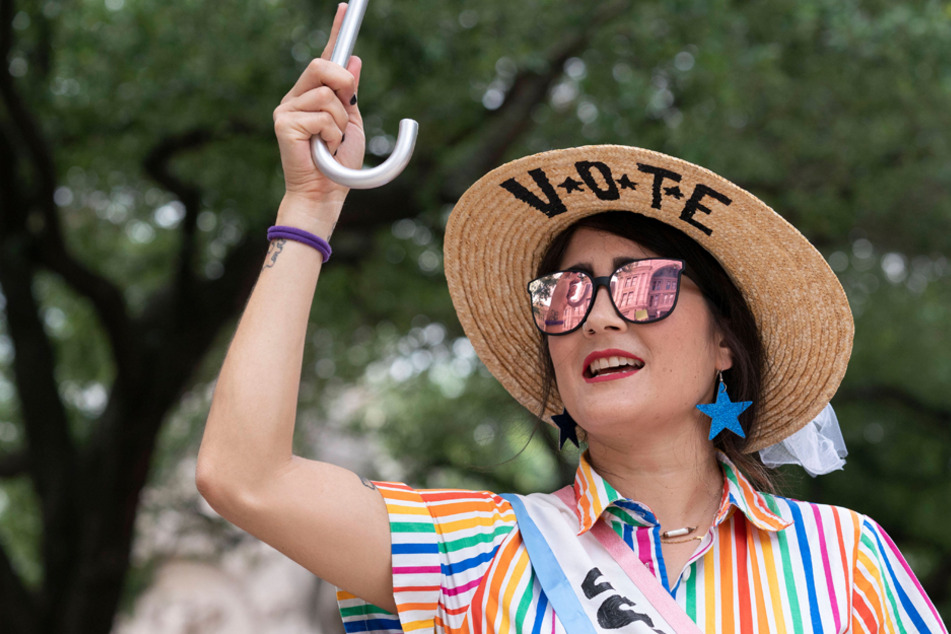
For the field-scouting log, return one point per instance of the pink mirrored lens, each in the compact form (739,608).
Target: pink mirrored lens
(560,301)
(642,291)
(646,290)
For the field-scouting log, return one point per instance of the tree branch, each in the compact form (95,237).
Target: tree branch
(119,454)
(28,131)
(51,464)
(157,165)
(51,249)
(502,128)
(106,298)
(6,28)
(49,444)
(11,195)
(17,604)
(52,454)
(14,464)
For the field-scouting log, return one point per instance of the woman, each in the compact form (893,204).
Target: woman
(709,299)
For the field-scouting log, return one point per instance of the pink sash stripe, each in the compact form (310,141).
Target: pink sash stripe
(637,572)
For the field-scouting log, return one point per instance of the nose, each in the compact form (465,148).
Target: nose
(603,315)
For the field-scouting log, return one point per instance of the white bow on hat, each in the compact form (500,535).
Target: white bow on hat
(818,447)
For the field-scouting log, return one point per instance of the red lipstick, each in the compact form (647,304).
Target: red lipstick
(610,376)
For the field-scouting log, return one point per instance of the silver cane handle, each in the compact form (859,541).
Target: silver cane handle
(405,141)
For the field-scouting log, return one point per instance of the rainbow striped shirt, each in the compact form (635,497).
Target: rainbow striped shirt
(773,565)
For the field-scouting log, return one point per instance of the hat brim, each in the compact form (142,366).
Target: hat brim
(502,226)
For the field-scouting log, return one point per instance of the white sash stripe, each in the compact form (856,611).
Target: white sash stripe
(612,601)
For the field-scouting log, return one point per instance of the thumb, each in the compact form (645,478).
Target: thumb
(355,66)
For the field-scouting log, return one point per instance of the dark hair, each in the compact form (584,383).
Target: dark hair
(726,304)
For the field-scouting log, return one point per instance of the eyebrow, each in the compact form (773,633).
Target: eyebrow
(586,267)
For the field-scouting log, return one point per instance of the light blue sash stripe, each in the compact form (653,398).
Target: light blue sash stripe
(550,575)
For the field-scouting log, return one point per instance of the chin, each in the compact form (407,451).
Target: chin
(621,423)
(615,421)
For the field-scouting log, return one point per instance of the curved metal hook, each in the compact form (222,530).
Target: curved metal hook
(405,142)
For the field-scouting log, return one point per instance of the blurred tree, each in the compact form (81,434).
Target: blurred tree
(138,173)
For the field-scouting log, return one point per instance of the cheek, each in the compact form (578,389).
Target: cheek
(693,344)
(559,350)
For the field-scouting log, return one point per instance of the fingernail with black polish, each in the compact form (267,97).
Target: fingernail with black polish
(353,99)
(343,138)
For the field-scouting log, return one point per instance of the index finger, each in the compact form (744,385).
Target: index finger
(334,31)
(321,72)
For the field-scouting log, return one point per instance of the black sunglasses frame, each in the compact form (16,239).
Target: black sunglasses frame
(605,281)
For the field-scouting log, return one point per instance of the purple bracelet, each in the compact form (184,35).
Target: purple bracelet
(299,235)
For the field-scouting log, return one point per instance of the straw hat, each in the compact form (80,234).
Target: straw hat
(502,226)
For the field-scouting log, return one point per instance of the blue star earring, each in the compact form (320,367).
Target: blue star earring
(566,428)
(724,413)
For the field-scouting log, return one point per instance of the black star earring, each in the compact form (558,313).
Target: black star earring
(566,428)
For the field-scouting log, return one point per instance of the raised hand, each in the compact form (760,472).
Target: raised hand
(321,103)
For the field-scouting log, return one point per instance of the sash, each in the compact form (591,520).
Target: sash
(595,583)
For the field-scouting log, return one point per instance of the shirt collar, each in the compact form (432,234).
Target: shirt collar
(594,495)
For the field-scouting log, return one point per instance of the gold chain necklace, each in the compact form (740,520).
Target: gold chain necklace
(670,537)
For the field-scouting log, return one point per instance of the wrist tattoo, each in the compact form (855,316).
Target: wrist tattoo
(366,482)
(273,251)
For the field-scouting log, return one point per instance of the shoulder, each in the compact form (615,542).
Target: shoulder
(827,520)
(820,532)
(451,513)
(804,514)
(887,591)
(444,503)
(443,543)
(884,589)
(858,535)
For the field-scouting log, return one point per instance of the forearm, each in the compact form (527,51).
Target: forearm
(249,433)
(246,468)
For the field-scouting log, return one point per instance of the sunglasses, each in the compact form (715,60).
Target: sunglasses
(642,292)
